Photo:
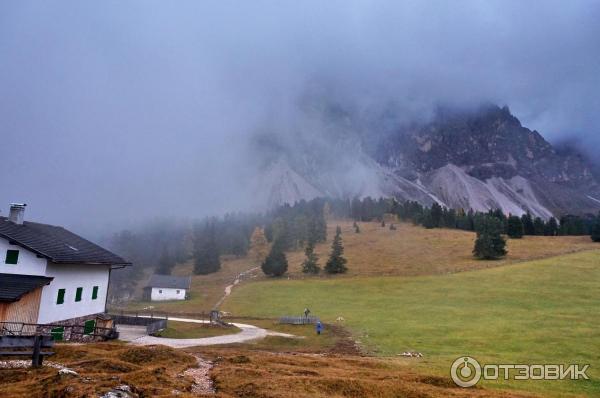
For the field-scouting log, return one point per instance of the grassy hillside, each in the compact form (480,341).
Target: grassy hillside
(413,250)
(542,311)
(407,251)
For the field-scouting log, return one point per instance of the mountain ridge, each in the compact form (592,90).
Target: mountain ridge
(478,159)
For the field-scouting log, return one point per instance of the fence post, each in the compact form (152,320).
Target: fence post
(37,345)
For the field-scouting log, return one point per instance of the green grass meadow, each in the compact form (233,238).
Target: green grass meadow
(537,312)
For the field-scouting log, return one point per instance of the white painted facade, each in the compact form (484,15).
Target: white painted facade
(167,293)
(28,264)
(66,276)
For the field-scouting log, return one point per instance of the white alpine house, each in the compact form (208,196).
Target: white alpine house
(49,274)
(167,287)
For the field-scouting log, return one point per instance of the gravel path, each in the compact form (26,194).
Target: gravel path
(203,384)
(248,333)
(237,280)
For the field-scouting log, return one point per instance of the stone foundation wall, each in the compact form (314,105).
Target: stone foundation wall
(73,329)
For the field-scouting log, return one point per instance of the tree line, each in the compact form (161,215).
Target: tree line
(159,245)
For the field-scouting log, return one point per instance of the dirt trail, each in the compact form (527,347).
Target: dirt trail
(236,281)
(203,384)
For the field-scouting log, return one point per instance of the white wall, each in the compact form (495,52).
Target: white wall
(161,293)
(70,277)
(28,264)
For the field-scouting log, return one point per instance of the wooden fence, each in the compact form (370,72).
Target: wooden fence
(58,332)
(299,320)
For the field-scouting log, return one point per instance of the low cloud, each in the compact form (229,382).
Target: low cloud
(121,111)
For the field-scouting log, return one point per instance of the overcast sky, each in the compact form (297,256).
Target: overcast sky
(115,111)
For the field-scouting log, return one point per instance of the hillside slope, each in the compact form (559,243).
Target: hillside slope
(536,312)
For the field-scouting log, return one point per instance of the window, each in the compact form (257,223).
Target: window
(160,292)
(177,291)
(12,257)
(60,299)
(78,294)
(94,292)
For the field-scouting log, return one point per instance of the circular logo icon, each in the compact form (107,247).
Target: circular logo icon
(465,371)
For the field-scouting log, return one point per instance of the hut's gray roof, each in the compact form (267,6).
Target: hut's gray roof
(170,281)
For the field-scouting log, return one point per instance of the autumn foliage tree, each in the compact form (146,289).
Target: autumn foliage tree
(259,247)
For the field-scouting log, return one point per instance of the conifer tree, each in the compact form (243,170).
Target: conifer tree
(538,226)
(436,214)
(336,263)
(595,235)
(207,252)
(515,227)
(551,227)
(528,227)
(310,264)
(166,262)
(490,244)
(428,220)
(276,262)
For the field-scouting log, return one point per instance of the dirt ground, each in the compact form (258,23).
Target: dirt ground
(269,368)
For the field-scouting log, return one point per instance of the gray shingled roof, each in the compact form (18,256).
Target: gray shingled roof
(170,281)
(14,286)
(57,244)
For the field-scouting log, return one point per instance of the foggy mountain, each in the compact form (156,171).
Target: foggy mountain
(117,113)
(480,158)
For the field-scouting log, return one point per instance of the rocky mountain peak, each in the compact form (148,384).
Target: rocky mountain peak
(480,158)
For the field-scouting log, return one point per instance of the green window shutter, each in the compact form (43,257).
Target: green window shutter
(60,299)
(12,257)
(88,326)
(95,293)
(78,294)
(57,333)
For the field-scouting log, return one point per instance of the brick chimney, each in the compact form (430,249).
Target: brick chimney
(17,212)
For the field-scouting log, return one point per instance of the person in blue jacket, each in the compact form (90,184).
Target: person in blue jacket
(319,327)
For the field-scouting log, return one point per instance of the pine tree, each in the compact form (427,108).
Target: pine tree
(207,252)
(515,227)
(310,264)
(436,215)
(166,262)
(489,244)
(276,262)
(428,220)
(528,227)
(336,263)
(551,227)
(259,247)
(538,226)
(595,235)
